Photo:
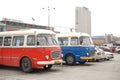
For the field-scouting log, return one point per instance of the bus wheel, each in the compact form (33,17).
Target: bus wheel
(48,67)
(26,65)
(70,60)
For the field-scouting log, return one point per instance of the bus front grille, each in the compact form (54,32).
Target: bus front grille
(55,54)
(92,52)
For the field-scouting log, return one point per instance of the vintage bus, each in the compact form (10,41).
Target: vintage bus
(76,47)
(29,49)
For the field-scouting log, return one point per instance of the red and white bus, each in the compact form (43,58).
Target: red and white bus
(28,49)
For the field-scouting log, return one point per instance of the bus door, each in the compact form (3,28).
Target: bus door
(17,49)
(6,51)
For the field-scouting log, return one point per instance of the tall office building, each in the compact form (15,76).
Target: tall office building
(83,20)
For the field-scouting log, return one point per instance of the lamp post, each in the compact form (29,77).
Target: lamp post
(49,9)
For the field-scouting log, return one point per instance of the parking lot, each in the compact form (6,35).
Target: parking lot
(103,70)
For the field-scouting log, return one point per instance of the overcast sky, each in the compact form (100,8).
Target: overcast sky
(105,14)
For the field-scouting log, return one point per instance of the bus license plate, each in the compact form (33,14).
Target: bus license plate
(57,62)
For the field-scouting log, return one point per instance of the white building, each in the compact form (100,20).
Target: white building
(83,20)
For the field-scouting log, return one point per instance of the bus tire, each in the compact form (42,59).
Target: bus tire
(26,65)
(70,59)
(48,67)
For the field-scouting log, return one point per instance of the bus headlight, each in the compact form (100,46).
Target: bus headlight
(87,54)
(47,57)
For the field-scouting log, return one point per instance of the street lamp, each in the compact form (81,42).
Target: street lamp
(48,8)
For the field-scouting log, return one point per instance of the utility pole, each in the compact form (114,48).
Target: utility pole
(49,9)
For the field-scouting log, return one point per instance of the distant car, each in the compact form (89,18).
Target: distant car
(113,49)
(108,55)
(117,49)
(108,49)
(99,55)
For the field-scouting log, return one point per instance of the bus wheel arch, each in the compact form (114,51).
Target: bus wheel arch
(26,64)
(70,59)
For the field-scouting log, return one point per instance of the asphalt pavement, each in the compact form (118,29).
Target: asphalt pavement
(103,70)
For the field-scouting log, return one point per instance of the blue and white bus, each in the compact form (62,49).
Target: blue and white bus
(76,47)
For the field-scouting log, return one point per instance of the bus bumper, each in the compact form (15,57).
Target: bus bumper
(56,62)
(88,58)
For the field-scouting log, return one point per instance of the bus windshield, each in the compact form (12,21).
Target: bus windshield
(46,39)
(85,40)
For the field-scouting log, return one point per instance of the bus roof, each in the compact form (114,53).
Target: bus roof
(72,34)
(26,32)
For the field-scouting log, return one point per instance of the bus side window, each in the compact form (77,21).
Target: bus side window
(18,41)
(63,41)
(7,41)
(1,41)
(74,41)
(31,40)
